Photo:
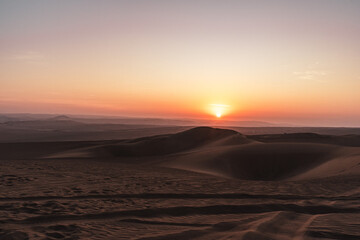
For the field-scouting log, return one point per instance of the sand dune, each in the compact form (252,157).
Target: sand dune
(219,152)
(230,154)
(174,143)
(257,161)
(285,186)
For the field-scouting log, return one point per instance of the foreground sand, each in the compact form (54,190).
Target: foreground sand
(49,193)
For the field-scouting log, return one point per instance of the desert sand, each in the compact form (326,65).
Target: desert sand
(201,183)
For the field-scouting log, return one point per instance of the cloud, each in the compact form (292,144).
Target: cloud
(33,57)
(310,74)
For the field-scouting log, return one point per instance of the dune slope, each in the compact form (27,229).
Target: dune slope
(257,161)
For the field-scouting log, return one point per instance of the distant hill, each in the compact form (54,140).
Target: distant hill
(43,124)
(60,118)
(4,118)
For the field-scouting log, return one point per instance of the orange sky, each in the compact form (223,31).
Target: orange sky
(276,60)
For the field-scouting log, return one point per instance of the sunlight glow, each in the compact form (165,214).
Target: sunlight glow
(219,109)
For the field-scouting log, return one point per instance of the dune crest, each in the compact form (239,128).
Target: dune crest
(171,143)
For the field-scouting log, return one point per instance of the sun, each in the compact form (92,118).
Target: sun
(219,109)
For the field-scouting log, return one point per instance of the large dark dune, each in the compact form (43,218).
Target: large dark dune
(174,143)
(218,152)
(229,154)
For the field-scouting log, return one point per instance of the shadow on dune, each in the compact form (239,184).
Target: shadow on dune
(256,161)
(346,140)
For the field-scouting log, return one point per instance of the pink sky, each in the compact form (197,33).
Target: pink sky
(276,60)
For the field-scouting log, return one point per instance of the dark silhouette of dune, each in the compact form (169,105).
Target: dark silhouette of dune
(230,154)
(218,152)
(173,143)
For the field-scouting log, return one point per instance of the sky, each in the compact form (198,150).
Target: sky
(295,62)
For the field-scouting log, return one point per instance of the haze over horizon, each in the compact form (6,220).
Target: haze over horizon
(292,62)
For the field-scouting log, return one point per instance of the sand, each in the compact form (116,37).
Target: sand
(203,183)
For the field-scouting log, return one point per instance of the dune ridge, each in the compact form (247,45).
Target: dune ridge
(229,154)
(170,143)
